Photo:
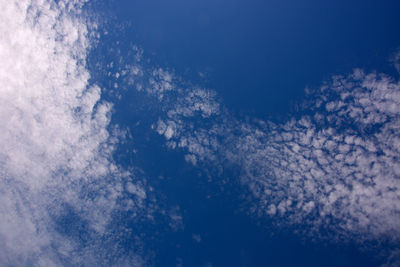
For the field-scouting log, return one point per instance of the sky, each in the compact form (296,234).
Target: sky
(199,133)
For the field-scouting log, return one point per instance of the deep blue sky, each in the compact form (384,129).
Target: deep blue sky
(258,56)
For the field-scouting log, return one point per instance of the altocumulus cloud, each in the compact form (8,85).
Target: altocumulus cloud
(60,190)
(337,167)
(334,166)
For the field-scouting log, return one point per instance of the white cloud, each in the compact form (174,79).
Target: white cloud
(55,153)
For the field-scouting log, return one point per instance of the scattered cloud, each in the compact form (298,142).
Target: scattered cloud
(335,168)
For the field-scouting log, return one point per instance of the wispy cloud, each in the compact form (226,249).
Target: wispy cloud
(58,181)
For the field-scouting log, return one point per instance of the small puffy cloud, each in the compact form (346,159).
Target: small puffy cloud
(196,238)
(176,219)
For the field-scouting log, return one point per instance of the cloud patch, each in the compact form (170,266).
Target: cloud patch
(336,167)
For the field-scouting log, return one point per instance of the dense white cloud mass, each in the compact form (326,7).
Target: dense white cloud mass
(59,188)
(336,168)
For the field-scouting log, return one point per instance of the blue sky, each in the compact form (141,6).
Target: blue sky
(187,133)
(257,45)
